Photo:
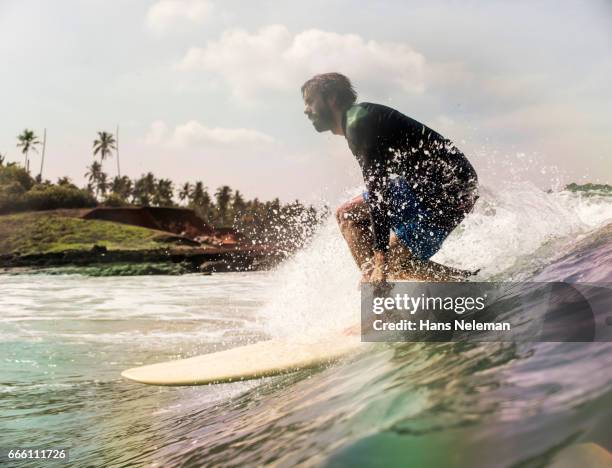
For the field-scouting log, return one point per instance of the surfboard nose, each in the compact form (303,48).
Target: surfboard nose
(133,374)
(254,361)
(151,375)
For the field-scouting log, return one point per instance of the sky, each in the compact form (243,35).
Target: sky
(209,90)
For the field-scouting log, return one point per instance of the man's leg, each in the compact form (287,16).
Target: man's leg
(354,220)
(404,265)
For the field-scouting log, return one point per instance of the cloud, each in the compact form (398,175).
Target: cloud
(540,120)
(485,91)
(275,59)
(157,133)
(165,14)
(194,133)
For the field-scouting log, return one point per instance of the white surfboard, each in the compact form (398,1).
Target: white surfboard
(263,359)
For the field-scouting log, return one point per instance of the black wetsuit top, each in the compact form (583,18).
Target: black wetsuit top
(388,144)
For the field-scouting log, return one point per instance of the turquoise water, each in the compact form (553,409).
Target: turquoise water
(426,403)
(65,340)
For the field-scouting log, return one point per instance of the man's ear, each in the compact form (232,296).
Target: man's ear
(332,101)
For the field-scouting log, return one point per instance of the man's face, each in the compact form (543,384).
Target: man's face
(318,110)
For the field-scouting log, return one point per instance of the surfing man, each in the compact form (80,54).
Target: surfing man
(419,185)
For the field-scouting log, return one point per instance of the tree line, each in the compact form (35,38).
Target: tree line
(287,225)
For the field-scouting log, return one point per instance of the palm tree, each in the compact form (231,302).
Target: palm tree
(27,141)
(238,206)
(139,195)
(163,193)
(104,145)
(121,186)
(199,200)
(150,182)
(185,192)
(2,159)
(223,196)
(144,189)
(95,176)
(102,185)
(93,172)
(65,182)
(197,194)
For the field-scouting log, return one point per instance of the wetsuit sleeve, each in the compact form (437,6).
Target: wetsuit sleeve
(363,131)
(376,181)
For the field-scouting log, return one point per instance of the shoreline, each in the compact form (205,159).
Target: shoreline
(35,241)
(175,260)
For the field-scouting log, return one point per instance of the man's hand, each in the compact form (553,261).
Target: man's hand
(379,269)
(366,270)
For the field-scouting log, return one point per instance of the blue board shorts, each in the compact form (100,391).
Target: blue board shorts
(411,222)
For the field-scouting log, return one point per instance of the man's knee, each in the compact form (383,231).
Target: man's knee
(351,212)
(341,214)
(345,217)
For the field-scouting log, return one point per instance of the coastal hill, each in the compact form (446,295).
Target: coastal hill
(180,221)
(139,221)
(127,235)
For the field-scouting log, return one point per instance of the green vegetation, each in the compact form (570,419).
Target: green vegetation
(46,197)
(590,189)
(27,141)
(287,226)
(19,192)
(118,269)
(44,232)
(12,174)
(104,145)
(97,179)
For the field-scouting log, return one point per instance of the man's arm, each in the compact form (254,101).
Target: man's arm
(379,272)
(363,134)
(376,178)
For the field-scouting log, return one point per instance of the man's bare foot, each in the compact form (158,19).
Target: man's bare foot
(366,271)
(352,331)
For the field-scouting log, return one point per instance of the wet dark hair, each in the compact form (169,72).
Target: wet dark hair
(332,84)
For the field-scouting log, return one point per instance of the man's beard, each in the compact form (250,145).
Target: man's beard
(324,120)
